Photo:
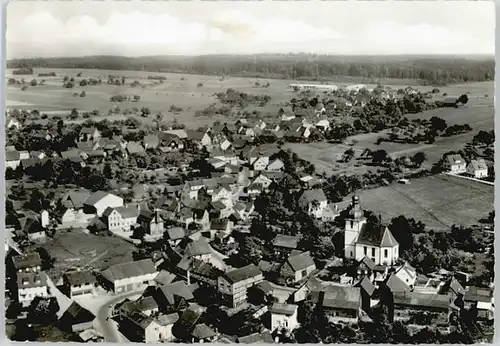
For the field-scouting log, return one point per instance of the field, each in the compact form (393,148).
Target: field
(478,113)
(180,90)
(438,201)
(78,249)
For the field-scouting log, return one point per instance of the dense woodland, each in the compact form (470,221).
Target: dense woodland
(428,70)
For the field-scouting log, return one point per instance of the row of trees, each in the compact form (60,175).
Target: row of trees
(289,66)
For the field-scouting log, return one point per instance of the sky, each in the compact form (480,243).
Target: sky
(142,28)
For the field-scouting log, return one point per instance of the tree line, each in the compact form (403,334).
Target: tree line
(428,70)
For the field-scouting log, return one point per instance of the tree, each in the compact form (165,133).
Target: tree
(380,157)
(43,310)
(419,158)
(74,114)
(83,82)
(438,124)
(463,99)
(33,82)
(348,155)
(107,172)
(83,94)
(251,250)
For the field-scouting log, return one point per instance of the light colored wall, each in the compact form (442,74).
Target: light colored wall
(283,321)
(137,283)
(26,295)
(108,201)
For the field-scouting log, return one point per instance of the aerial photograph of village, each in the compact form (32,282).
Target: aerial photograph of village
(250,173)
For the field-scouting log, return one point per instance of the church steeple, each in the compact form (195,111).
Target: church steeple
(356,212)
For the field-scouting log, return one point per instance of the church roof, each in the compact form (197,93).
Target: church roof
(376,235)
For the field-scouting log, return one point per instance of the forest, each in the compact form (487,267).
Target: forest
(430,70)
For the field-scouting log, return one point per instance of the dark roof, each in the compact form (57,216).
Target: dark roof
(283,309)
(367,286)
(165,320)
(450,100)
(176,289)
(141,304)
(478,294)
(29,260)
(314,195)
(367,262)
(80,277)
(12,156)
(414,299)
(395,284)
(88,130)
(95,197)
(199,247)
(286,241)
(376,235)
(129,269)
(243,273)
(202,331)
(300,262)
(176,233)
(75,314)
(264,337)
(205,269)
(342,297)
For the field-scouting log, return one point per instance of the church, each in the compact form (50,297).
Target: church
(364,239)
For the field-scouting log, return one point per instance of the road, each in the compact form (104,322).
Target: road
(108,327)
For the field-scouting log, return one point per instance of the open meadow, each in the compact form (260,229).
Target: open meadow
(478,113)
(438,201)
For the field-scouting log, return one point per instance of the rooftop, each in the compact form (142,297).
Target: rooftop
(243,273)
(129,269)
(283,309)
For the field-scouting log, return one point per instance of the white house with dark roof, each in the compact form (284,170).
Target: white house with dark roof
(371,240)
(99,201)
(89,134)
(314,202)
(407,274)
(130,276)
(455,164)
(477,168)
(283,317)
(233,285)
(31,285)
(121,219)
(79,283)
(340,303)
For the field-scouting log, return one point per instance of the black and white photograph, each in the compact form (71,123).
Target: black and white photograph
(250,172)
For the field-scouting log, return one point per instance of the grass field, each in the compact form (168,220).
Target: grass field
(438,201)
(478,113)
(78,249)
(179,89)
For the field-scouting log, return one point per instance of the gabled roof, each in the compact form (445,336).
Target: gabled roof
(199,247)
(455,159)
(80,277)
(88,130)
(96,197)
(367,286)
(166,320)
(12,156)
(202,331)
(179,133)
(478,164)
(342,297)
(76,199)
(300,262)
(29,260)
(314,195)
(414,299)
(376,235)
(151,140)
(283,309)
(395,284)
(243,273)
(135,148)
(286,241)
(75,314)
(129,269)
(176,289)
(265,337)
(176,233)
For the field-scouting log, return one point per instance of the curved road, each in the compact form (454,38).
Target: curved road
(109,328)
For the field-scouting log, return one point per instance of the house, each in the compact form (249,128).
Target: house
(276,165)
(151,222)
(175,235)
(139,327)
(135,149)
(121,219)
(366,239)
(31,285)
(297,268)
(283,317)
(76,318)
(264,337)
(450,102)
(455,164)
(202,272)
(130,276)
(313,202)
(477,168)
(407,274)
(203,333)
(480,300)
(26,263)
(31,228)
(175,296)
(170,142)
(151,142)
(202,138)
(368,294)
(368,268)
(408,304)
(79,283)
(146,305)
(13,123)
(341,303)
(99,201)
(89,134)
(221,225)
(12,159)
(223,191)
(284,244)
(233,285)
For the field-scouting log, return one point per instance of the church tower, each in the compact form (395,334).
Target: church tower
(353,225)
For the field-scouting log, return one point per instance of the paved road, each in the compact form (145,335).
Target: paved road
(108,327)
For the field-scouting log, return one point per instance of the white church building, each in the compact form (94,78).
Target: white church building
(363,239)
